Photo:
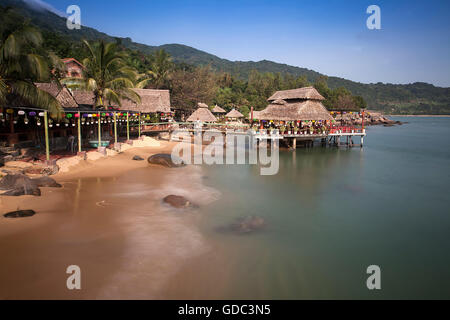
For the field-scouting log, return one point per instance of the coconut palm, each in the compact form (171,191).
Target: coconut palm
(21,67)
(162,65)
(106,75)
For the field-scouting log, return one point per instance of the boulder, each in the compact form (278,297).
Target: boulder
(246,225)
(166,160)
(46,182)
(138,158)
(20,214)
(20,184)
(177,201)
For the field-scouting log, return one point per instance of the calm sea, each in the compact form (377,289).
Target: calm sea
(331,213)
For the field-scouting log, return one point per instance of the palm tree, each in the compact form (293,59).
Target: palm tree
(21,67)
(162,65)
(106,75)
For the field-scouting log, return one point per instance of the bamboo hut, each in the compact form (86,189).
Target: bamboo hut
(202,114)
(303,104)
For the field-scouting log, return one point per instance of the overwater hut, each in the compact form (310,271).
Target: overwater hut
(303,104)
(202,114)
(234,115)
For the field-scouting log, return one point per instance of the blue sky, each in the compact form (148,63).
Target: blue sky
(329,36)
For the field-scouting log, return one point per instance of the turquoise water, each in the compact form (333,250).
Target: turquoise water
(331,213)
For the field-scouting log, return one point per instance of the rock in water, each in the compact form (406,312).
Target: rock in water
(46,182)
(138,158)
(177,201)
(20,214)
(166,160)
(245,225)
(21,191)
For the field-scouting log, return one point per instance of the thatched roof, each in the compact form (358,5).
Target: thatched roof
(61,93)
(83,97)
(152,100)
(218,109)
(256,115)
(202,105)
(234,114)
(309,93)
(305,110)
(202,114)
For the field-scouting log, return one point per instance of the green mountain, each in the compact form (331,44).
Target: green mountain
(415,98)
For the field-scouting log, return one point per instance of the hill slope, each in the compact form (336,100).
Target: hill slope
(418,98)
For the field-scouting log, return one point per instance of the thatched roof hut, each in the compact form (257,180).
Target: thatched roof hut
(152,100)
(297,111)
(218,109)
(202,114)
(295,105)
(234,114)
(61,93)
(306,93)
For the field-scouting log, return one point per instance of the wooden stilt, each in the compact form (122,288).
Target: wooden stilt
(47,144)
(115,127)
(128,126)
(79,131)
(99,131)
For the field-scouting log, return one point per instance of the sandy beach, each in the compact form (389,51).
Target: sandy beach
(110,223)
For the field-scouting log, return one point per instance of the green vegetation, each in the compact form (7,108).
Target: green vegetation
(232,84)
(21,64)
(106,74)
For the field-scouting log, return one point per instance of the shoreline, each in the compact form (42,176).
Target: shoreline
(107,221)
(420,115)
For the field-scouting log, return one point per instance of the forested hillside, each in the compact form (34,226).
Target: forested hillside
(415,98)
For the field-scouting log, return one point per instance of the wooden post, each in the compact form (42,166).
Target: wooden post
(79,132)
(47,145)
(128,126)
(139,124)
(294,143)
(115,127)
(99,131)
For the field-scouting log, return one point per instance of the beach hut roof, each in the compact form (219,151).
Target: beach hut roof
(202,105)
(218,109)
(304,110)
(256,115)
(152,100)
(61,93)
(202,114)
(308,93)
(83,97)
(234,114)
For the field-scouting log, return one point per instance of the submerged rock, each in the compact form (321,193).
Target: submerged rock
(177,201)
(22,191)
(20,214)
(245,225)
(166,160)
(138,158)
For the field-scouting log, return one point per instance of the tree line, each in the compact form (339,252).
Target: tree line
(128,68)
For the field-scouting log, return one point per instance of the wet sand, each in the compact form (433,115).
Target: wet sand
(109,220)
